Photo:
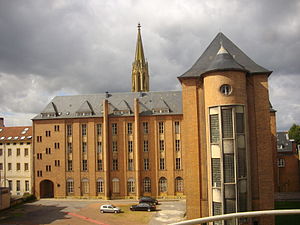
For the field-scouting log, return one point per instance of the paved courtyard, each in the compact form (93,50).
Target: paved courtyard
(84,212)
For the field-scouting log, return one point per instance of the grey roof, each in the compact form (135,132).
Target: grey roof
(284,144)
(69,106)
(209,60)
(85,108)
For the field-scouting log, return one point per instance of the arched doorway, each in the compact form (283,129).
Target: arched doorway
(46,189)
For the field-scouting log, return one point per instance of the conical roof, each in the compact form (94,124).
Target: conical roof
(224,61)
(211,59)
(139,52)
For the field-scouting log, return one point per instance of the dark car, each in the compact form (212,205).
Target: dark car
(143,207)
(147,199)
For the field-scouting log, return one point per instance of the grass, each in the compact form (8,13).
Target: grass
(288,219)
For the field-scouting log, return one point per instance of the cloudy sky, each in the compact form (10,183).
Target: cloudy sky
(66,47)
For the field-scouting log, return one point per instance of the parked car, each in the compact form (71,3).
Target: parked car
(143,207)
(147,199)
(109,209)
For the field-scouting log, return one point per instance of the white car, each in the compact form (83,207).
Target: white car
(109,209)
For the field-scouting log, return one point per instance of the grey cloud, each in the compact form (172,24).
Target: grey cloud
(74,47)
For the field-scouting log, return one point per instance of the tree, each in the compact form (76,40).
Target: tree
(294,133)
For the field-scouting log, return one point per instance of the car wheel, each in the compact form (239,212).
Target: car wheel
(101,211)
(115,211)
(149,210)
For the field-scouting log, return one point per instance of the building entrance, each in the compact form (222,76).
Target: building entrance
(46,189)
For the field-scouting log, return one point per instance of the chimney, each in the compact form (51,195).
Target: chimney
(1,122)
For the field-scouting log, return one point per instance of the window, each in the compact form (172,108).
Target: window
(69,130)
(146,164)
(18,185)
(1,151)
(226,89)
(179,184)
(100,186)
(9,166)
(129,128)
(39,156)
(216,172)
(70,165)
(84,165)
(161,127)
(99,146)
(9,152)
(145,127)
(39,173)
(177,127)
(57,162)
(115,185)
(99,165)
(281,163)
(48,150)
(85,186)
(161,145)
(227,128)
(146,146)
(129,146)
(163,184)
(69,147)
(70,186)
(147,184)
(178,164)
(229,176)
(115,164)
(48,168)
(161,163)
(214,128)
(114,146)
(26,166)
(26,152)
(56,145)
(48,133)
(84,147)
(83,129)
(39,138)
(99,129)
(177,145)
(56,128)
(114,129)
(131,185)
(18,166)
(26,185)
(10,185)
(18,152)
(1,166)
(130,164)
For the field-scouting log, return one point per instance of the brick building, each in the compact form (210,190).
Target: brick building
(211,142)
(287,166)
(16,159)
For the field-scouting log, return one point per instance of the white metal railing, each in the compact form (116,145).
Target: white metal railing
(238,215)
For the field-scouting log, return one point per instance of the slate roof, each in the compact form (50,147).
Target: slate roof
(15,133)
(68,106)
(284,144)
(210,61)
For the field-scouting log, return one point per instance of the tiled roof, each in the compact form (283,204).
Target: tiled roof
(239,59)
(119,104)
(284,144)
(15,133)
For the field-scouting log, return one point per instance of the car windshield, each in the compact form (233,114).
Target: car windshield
(113,206)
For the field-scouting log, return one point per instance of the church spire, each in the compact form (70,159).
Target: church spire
(140,76)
